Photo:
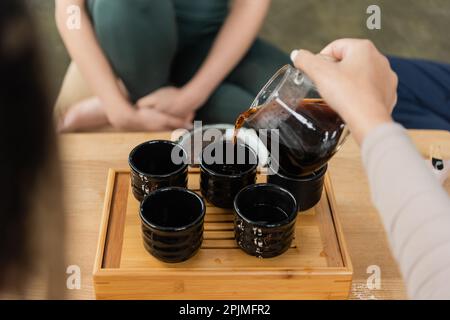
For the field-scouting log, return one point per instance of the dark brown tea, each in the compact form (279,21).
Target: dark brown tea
(308,137)
(267,214)
(241,121)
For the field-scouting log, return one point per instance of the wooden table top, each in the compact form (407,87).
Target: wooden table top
(86,159)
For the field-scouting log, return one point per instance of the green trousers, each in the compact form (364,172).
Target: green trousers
(150,45)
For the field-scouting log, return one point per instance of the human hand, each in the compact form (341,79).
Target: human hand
(151,120)
(171,100)
(360,85)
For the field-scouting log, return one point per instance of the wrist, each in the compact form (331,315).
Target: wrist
(365,125)
(120,113)
(194,96)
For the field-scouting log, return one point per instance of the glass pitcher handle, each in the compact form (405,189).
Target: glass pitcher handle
(299,78)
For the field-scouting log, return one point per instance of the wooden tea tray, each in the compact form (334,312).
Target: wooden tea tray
(317,266)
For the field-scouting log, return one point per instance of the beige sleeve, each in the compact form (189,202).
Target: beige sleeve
(414,208)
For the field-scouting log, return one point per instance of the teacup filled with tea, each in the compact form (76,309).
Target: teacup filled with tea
(225,169)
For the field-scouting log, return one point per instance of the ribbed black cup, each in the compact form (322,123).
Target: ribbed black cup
(307,190)
(234,167)
(172,223)
(265,217)
(152,167)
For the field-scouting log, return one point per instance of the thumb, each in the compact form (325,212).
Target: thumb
(147,102)
(317,67)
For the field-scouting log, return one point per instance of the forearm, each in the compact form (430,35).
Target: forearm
(87,54)
(232,43)
(414,208)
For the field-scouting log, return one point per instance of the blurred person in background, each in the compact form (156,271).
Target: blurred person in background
(150,65)
(31,220)
(423,94)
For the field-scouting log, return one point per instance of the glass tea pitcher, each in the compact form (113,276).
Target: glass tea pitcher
(307,131)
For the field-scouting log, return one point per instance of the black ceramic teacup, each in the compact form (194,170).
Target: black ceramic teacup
(265,216)
(307,190)
(225,169)
(172,223)
(157,164)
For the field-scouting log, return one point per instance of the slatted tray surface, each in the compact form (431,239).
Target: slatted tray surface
(316,265)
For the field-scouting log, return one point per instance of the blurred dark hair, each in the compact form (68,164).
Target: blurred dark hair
(27,140)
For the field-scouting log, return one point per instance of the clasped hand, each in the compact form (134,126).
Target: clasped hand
(173,103)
